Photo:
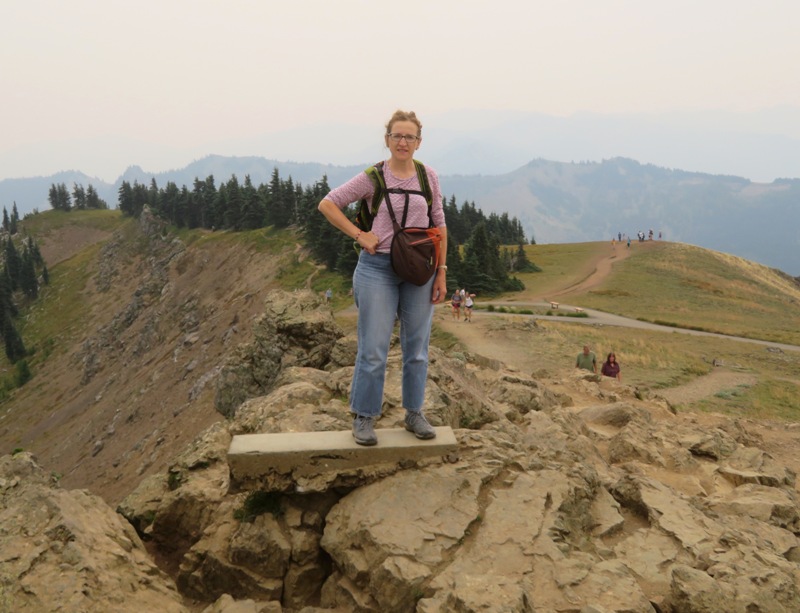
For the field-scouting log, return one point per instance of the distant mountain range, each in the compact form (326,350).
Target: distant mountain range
(555,201)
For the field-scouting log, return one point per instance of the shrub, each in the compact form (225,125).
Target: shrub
(257,503)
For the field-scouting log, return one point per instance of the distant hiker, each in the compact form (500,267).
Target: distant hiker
(328,295)
(629,242)
(468,304)
(380,295)
(455,302)
(610,367)
(586,360)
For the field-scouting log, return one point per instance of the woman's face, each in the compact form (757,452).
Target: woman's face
(403,149)
(612,358)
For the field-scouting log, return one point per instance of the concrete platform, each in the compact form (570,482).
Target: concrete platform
(306,453)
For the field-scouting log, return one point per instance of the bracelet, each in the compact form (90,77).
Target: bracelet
(442,267)
(357,235)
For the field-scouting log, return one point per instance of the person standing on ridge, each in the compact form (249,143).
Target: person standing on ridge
(380,295)
(586,360)
(611,368)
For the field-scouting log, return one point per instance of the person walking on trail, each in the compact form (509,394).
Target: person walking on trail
(455,301)
(468,304)
(380,295)
(586,360)
(611,368)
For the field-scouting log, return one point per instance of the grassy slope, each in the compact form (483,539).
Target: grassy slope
(684,286)
(692,287)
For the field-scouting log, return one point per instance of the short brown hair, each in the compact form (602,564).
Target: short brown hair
(404,116)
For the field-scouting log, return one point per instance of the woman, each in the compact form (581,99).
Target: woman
(455,302)
(468,304)
(611,367)
(380,295)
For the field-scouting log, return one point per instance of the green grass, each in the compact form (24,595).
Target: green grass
(267,239)
(562,265)
(41,223)
(59,311)
(685,286)
(774,399)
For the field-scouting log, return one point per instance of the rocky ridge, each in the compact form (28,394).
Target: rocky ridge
(611,506)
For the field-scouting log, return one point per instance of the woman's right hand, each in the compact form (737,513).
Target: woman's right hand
(368,241)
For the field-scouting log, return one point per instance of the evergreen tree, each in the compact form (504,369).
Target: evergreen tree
(60,198)
(52,197)
(296,205)
(232,216)
(152,194)
(22,373)
(13,264)
(456,226)
(14,219)
(520,261)
(456,275)
(79,196)
(14,347)
(93,199)
(272,202)
(484,265)
(252,209)
(141,198)
(282,201)
(201,208)
(27,280)
(220,206)
(6,221)
(169,205)
(125,199)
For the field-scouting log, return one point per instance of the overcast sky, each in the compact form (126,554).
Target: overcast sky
(185,74)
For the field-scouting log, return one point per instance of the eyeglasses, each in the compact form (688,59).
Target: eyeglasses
(409,138)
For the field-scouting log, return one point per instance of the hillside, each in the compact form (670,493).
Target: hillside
(130,335)
(138,324)
(131,332)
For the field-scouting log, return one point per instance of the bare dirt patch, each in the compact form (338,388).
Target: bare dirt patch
(716,381)
(65,242)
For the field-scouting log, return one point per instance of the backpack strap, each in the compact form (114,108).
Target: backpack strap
(366,213)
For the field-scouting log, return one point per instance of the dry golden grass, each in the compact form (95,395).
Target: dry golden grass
(683,286)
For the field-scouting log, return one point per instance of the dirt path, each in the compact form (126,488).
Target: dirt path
(484,336)
(489,336)
(602,268)
(718,380)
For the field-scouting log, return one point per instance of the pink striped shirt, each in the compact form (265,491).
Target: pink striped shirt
(361,186)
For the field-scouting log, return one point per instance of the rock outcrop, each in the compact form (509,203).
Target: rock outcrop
(619,506)
(68,551)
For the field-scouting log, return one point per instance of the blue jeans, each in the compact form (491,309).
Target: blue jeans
(380,296)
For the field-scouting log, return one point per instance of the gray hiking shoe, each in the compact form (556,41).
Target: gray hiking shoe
(364,430)
(416,423)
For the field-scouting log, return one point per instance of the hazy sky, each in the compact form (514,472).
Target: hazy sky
(184,74)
